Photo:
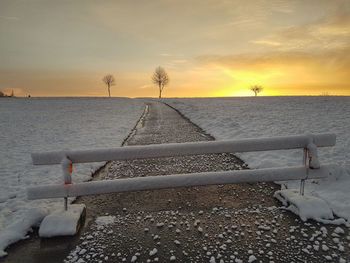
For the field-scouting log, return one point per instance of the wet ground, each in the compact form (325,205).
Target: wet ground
(231,223)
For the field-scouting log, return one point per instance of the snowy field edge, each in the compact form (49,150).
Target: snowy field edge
(65,123)
(238,118)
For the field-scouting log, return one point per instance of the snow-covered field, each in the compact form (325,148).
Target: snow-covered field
(34,125)
(235,118)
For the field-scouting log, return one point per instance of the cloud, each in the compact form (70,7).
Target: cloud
(267,43)
(177,64)
(9,17)
(145,86)
(179,61)
(317,70)
(285,7)
(335,58)
(245,22)
(331,32)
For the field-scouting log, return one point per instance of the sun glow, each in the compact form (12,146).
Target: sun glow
(262,76)
(242,80)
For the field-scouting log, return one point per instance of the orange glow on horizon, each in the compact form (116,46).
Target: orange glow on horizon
(207,81)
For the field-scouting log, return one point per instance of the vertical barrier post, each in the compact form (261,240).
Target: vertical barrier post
(310,161)
(305,163)
(67,169)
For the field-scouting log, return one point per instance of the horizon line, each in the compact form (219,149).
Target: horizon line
(155,97)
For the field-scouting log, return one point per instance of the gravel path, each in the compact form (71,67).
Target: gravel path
(231,223)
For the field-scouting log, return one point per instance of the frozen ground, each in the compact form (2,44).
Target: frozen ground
(32,125)
(234,118)
(183,236)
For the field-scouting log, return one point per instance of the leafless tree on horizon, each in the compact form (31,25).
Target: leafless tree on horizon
(160,78)
(256,89)
(109,81)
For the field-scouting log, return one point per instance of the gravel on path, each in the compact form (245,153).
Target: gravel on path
(231,223)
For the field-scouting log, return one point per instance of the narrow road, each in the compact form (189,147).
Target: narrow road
(231,223)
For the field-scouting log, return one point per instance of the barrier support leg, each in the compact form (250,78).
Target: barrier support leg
(302,186)
(305,162)
(65,203)
(67,169)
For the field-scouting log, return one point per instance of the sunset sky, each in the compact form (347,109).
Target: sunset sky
(208,47)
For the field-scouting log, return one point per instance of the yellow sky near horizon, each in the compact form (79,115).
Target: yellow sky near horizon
(220,48)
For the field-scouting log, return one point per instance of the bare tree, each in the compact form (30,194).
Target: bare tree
(109,81)
(160,78)
(256,89)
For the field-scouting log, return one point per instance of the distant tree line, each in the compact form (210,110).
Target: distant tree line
(160,78)
(2,94)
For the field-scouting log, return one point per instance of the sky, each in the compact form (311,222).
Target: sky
(209,48)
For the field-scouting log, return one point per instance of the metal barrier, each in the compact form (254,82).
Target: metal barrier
(310,169)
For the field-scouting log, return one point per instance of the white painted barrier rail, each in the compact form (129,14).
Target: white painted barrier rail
(311,168)
(179,149)
(175,181)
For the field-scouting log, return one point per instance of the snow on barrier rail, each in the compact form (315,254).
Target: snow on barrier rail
(178,149)
(175,181)
(71,218)
(310,169)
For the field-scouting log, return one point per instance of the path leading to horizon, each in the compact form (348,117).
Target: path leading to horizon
(200,224)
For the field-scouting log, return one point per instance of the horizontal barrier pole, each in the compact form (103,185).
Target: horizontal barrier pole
(174,181)
(179,149)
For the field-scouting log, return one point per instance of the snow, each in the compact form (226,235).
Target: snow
(238,118)
(153,252)
(61,222)
(36,125)
(307,207)
(19,228)
(339,230)
(105,220)
(176,180)
(252,258)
